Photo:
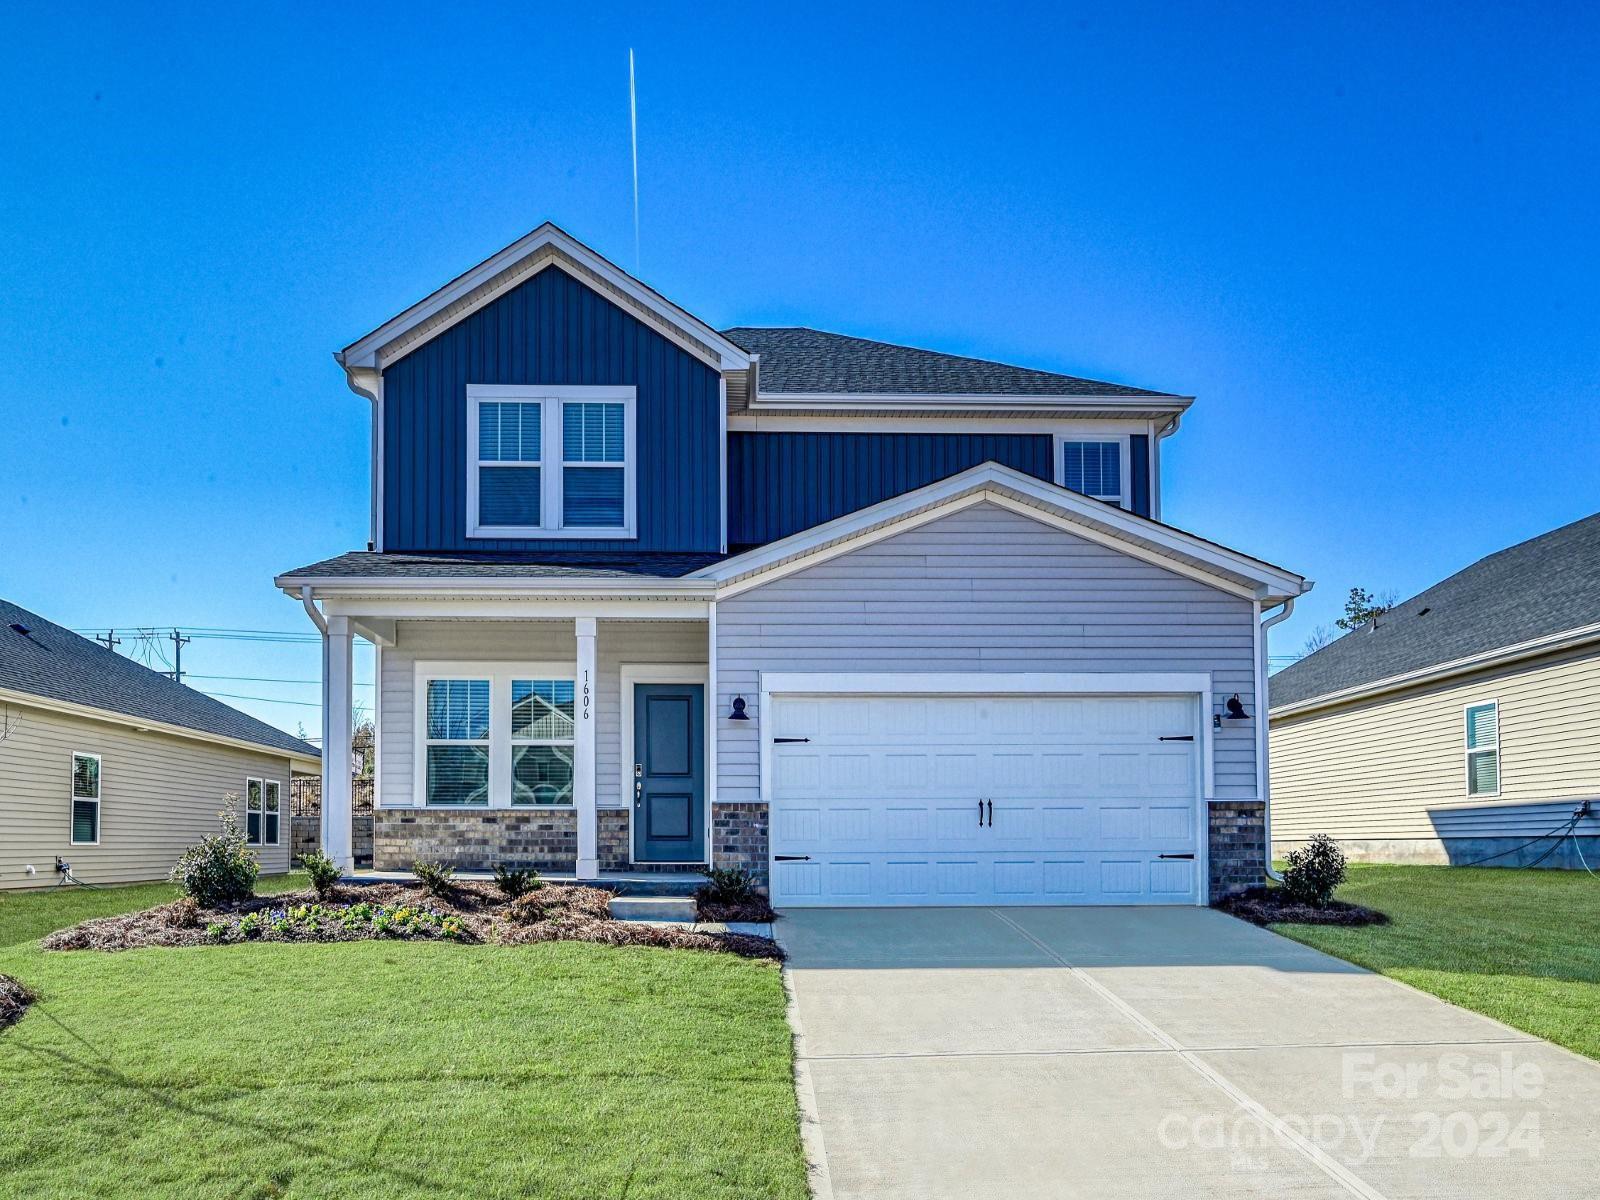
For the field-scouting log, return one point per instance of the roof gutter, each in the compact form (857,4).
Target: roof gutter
(1263,755)
(312,611)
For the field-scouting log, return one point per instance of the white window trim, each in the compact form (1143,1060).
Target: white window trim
(552,465)
(1468,750)
(74,799)
(265,784)
(499,675)
(260,783)
(1101,434)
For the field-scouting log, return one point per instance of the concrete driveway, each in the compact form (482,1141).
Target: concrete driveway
(1163,1052)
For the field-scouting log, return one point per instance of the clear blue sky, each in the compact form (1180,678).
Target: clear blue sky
(1364,237)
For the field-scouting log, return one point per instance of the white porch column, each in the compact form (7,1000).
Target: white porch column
(583,753)
(337,677)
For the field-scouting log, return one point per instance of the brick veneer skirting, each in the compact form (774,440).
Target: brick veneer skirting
(1238,846)
(613,839)
(739,838)
(475,841)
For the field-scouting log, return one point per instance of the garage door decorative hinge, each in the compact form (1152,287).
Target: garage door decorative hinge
(1188,856)
(781,741)
(1177,737)
(791,858)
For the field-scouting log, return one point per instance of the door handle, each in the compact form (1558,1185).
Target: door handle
(991,814)
(980,814)
(1188,856)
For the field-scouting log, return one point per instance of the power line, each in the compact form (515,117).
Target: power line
(265,679)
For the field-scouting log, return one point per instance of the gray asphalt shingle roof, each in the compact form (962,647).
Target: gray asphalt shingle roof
(1543,586)
(56,664)
(365,564)
(796,360)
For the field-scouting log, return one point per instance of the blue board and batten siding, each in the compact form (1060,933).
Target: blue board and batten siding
(781,483)
(551,330)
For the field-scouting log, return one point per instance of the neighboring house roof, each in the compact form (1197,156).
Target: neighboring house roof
(365,564)
(1522,600)
(54,664)
(796,361)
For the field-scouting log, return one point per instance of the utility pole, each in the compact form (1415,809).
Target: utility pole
(110,641)
(178,643)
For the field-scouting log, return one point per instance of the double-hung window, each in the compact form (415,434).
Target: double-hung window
(85,799)
(1483,749)
(252,812)
(550,462)
(1097,467)
(496,735)
(456,748)
(541,741)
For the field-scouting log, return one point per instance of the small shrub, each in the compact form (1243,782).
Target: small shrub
(728,885)
(220,870)
(324,872)
(217,931)
(435,877)
(514,882)
(1314,871)
(250,925)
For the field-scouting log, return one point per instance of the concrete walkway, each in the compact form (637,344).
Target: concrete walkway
(1161,1052)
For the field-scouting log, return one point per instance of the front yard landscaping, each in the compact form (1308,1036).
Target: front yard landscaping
(385,1067)
(1521,946)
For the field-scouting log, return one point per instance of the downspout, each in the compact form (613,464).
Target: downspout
(312,611)
(1263,758)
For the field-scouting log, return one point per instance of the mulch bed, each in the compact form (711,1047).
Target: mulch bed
(14,1001)
(468,912)
(749,910)
(1269,906)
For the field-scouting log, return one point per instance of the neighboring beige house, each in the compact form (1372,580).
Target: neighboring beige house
(114,769)
(1462,726)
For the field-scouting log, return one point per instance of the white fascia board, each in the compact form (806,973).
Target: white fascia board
(1567,639)
(366,609)
(1130,532)
(146,725)
(1068,423)
(364,351)
(921,400)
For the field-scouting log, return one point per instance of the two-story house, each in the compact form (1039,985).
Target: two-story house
(886,626)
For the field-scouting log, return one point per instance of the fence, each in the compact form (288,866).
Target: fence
(305,818)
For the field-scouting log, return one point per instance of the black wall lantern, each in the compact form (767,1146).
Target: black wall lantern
(1235,709)
(738,713)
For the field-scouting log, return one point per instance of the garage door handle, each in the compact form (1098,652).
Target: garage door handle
(781,741)
(796,858)
(991,814)
(1188,856)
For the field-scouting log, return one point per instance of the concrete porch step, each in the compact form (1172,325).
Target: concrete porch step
(653,908)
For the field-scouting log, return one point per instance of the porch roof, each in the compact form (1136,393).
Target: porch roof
(551,565)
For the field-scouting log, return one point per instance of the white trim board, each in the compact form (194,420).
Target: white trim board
(933,422)
(888,402)
(666,673)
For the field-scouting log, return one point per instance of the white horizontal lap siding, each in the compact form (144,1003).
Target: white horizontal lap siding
(1395,768)
(983,590)
(618,642)
(159,794)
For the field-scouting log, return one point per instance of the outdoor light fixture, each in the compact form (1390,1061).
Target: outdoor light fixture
(1235,709)
(738,713)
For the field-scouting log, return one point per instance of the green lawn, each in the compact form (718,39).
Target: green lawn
(389,1068)
(1520,946)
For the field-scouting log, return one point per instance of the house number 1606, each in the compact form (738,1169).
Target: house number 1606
(586,695)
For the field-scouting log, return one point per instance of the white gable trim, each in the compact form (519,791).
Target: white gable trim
(546,246)
(914,401)
(1093,520)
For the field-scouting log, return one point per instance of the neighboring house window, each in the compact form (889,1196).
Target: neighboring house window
(272,812)
(1483,749)
(541,741)
(518,487)
(85,799)
(252,812)
(1096,467)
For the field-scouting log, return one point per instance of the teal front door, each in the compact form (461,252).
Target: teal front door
(669,771)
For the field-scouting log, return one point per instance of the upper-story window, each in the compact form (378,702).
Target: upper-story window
(1098,466)
(550,462)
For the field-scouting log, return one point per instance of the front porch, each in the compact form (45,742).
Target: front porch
(574,738)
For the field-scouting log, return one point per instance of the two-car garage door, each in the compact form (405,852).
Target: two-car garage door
(960,799)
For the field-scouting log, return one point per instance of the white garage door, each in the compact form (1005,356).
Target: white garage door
(945,800)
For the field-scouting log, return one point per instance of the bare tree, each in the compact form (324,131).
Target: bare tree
(1316,640)
(8,722)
